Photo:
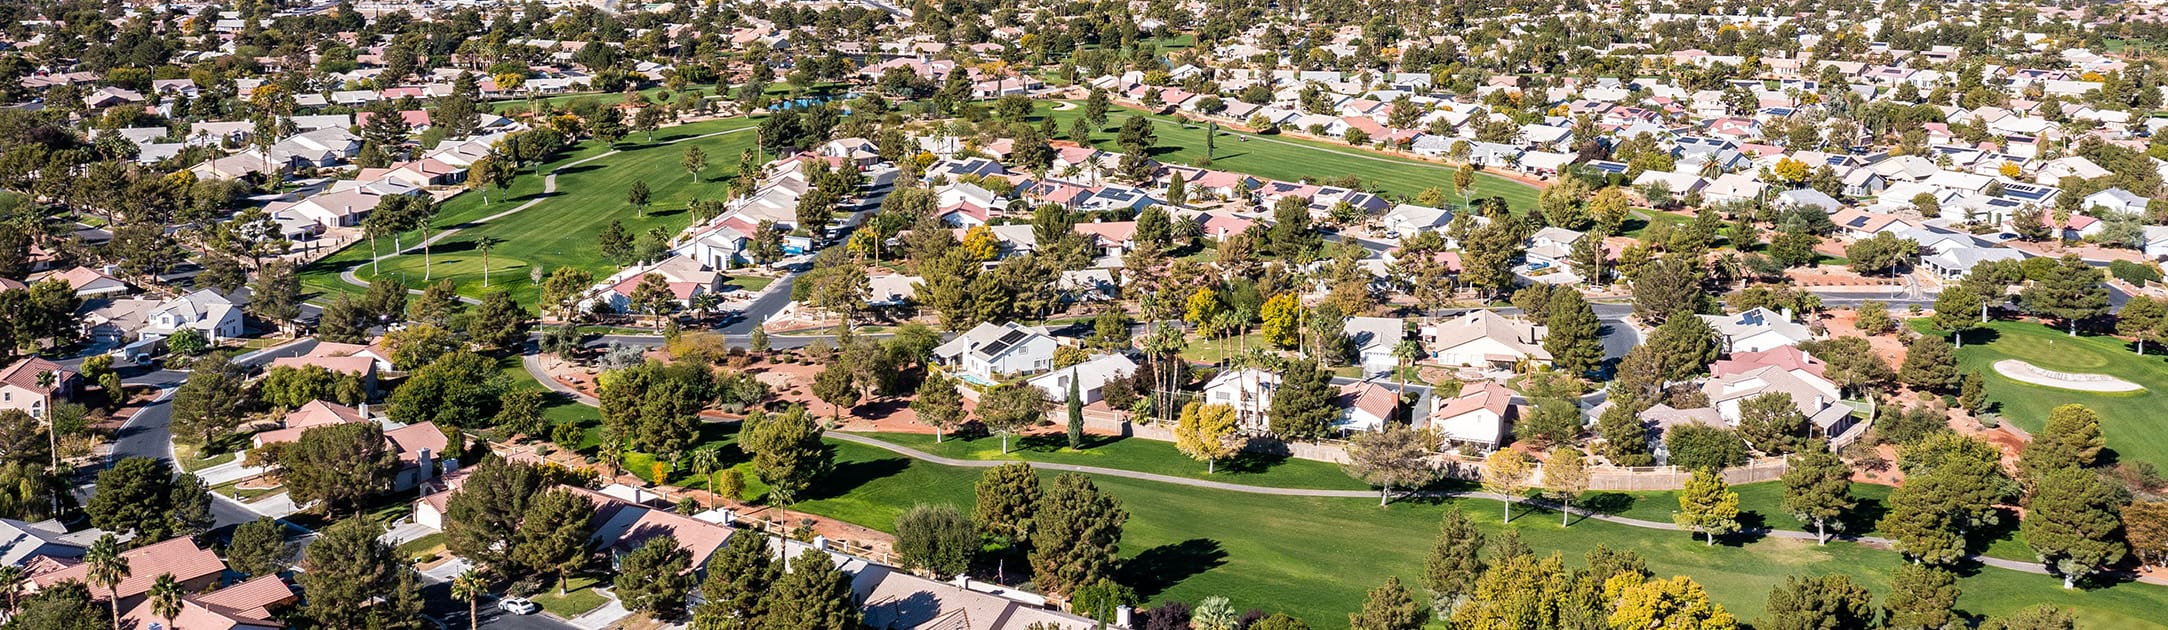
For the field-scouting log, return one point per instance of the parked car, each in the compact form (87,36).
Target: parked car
(517,606)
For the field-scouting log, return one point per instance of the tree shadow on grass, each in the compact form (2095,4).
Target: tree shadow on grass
(849,476)
(1861,518)
(1605,502)
(1753,527)
(1164,566)
(581,168)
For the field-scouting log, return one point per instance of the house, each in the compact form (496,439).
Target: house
(984,353)
(1409,219)
(1485,339)
(420,447)
(1376,341)
(89,282)
(196,568)
(1476,417)
(32,385)
(315,414)
(1248,391)
(244,606)
(687,278)
(1955,262)
(1815,397)
(2115,200)
(20,541)
(623,526)
(1790,358)
(897,599)
(1091,378)
(1365,406)
(1757,329)
(204,311)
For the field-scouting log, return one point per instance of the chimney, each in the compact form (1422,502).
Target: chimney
(1787,313)
(1121,615)
(363,410)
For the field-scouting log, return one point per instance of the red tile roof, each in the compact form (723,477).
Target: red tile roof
(178,556)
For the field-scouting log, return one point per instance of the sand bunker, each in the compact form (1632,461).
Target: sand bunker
(2023,372)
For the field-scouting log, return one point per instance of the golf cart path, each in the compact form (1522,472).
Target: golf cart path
(549,188)
(534,368)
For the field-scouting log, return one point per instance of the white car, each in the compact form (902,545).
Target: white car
(517,606)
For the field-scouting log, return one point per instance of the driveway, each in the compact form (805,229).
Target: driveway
(149,433)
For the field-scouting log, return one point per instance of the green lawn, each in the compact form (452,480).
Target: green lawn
(562,229)
(580,596)
(1140,455)
(1292,159)
(2131,421)
(1315,557)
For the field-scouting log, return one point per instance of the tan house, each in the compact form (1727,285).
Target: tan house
(20,387)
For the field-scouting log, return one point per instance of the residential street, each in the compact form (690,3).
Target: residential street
(149,434)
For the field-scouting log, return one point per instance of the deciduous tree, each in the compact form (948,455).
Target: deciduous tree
(935,540)
(1206,432)
(1707,505)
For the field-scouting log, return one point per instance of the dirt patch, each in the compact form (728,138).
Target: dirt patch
(1845,323)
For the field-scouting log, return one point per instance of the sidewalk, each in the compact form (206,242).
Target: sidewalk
(229,471)
(600,618)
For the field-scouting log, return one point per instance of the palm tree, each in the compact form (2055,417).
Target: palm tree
(469,586)
(483,245)
(166,598)
(46,379)
(10,577)
(612,452)
(706,463)
(1406,351)
(107,569)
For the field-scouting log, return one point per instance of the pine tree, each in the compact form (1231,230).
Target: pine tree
(2034,617)
(2072,523)
(813,595)
(1708,506)
(1923,597)
(554,533)
(788,453)
(654,578)
(1008,496)
(1972,394)
(1829,601)
(935,539)
(1817,488)
(345,569)
(1389,607)
(2071,440)
(1625,438)
(1930,364)
(740,576)
(259,548)
(1075,535)
(1919,523)
(1455,562)
(938,403)
(1772,423)
(1303,407)
(1684,347)
(482,519)
(2071,292)
(1573,338)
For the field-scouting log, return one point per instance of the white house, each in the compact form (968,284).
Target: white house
(1476,417)
(1374,339)
(2115,200)
(1757,329)
(1366,406)
(1091,378)
(987,350)
(1247,390)
(204,311)
(1485,339)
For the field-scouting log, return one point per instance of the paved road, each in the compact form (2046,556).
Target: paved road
(438,603)
(149,434)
